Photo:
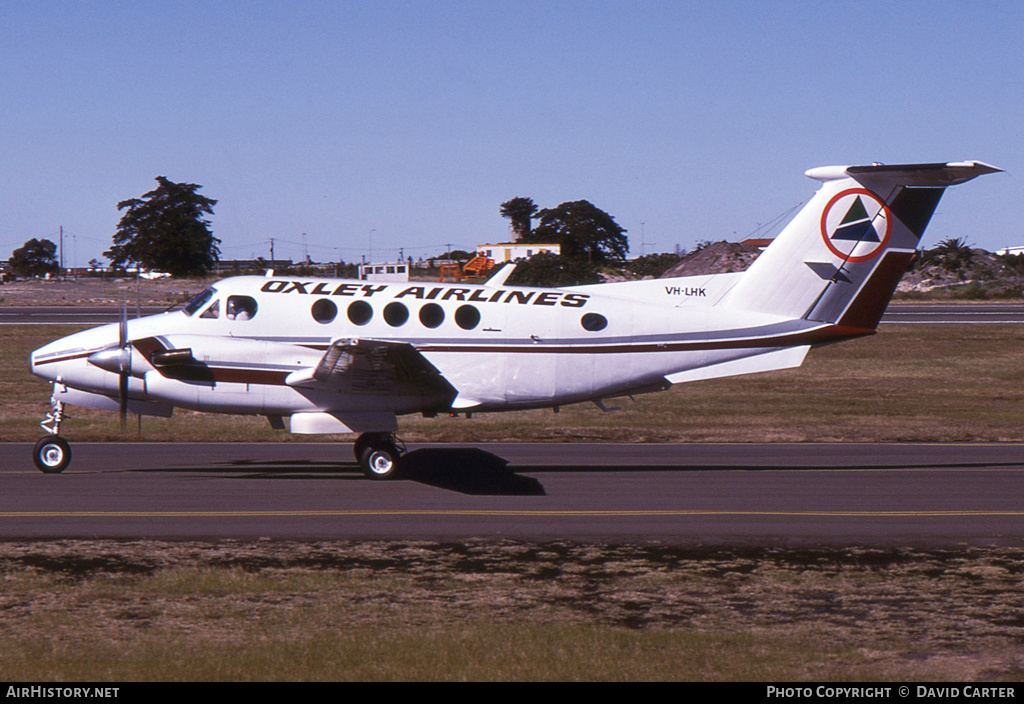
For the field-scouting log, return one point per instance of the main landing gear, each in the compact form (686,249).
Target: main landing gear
(379,454)
(52,454)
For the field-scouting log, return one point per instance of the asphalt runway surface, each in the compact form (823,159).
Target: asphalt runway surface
(954,314)
(917,495)
(70,315)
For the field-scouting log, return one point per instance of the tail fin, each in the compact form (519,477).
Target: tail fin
(841,257)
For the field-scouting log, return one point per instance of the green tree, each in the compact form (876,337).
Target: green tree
(653,265)
(546,269)
(583,231)
(166,230)
(952,254)
(521,212)
(35,258)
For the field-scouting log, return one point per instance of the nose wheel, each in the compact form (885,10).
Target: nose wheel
(379,454)
(52,454)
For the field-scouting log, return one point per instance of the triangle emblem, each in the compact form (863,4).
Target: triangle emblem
(856,225)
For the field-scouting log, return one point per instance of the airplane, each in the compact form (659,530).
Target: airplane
(328,356)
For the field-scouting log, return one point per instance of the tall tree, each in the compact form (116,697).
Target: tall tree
(521,212)
(546,269)
(35,258)
(166,230)
(583,231)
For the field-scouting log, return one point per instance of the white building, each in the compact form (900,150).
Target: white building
(387,271)
(510,251)
(1011,250)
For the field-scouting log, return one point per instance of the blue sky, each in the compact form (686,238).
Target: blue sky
(345,125)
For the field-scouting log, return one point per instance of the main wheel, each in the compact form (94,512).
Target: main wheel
(52,454)
(360,445)
(380,460)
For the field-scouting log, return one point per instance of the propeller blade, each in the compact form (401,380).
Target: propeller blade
(122,398)
(122,326)
(125,366)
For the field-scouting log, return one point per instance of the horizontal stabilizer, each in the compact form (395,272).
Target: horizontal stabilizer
(786,358)
(938,175)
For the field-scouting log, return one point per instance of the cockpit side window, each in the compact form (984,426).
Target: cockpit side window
(198,302)
(241,308)
(213,311)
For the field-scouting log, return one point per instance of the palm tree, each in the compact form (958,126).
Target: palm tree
(521,212)
(954,253)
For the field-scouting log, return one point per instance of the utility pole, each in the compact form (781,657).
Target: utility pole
(271,251)
(61,251)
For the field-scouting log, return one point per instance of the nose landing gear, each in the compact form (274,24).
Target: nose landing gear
(52,454)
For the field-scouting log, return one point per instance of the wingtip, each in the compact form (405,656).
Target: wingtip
(980,166)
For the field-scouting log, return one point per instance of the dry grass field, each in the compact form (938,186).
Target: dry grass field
(485,611)
(97,291)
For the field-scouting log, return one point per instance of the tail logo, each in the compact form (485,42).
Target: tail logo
(856,225)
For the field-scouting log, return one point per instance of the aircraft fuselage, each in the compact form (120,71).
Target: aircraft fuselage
(498,348)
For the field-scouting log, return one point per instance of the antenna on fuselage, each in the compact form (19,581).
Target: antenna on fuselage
(501,275)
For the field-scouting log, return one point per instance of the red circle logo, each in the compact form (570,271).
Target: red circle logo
(856,225)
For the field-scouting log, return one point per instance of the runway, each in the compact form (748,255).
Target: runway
(927,495)
(70,315)
(954,314)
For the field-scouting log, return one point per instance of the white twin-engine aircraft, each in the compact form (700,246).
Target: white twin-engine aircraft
(336,356)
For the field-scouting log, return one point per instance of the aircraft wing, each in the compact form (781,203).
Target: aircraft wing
(363,367)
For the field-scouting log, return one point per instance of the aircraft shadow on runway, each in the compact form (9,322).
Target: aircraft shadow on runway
(477,472)
(465,470)
(469,471)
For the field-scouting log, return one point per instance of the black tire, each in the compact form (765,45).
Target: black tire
(360,445)
(380,460)
(52,455)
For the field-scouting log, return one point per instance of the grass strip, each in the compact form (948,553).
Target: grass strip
(504,611)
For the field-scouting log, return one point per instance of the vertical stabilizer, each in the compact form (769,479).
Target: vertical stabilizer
(841,257)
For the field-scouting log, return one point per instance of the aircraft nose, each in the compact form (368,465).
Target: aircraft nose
(42,361)
(61,356)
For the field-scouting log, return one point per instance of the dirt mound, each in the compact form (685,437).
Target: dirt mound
(715,258)
(960,272)
(980,269)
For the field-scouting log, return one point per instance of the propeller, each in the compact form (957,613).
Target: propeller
(124,363)
(118,360)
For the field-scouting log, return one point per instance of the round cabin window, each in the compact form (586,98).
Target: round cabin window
(360,312)
(395,314)
(432,315)
(324,311)
(467,317)
(593,322)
